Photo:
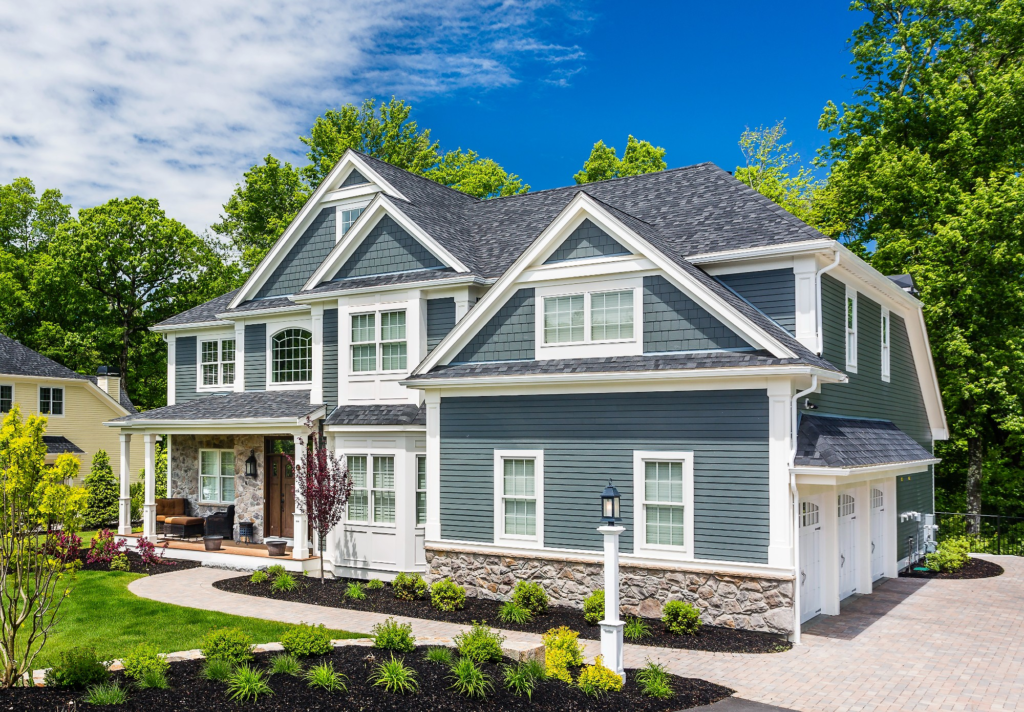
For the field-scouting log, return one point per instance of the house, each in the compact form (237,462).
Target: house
(763,399)
(75,406)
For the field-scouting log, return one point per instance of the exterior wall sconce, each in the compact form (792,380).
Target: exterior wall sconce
(250,465)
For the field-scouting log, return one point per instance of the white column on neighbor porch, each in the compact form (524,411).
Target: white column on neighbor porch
(300,532)
(124,512)
(780,513)
(149,505)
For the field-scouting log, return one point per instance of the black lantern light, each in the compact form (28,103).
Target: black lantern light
(610,505)
(250,465)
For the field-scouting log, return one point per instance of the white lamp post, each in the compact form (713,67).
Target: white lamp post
(611,626)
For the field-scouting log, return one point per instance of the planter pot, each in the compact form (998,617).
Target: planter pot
(212,543)
(276,548)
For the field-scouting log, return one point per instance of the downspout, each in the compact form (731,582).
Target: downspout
(796,502)
(818,305)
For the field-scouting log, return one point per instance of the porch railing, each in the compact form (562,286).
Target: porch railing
(989,533)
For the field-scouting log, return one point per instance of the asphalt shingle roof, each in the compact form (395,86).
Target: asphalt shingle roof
(58,445)
(251,404)
(389,414)
(17,359)
(382,280)
(826,441)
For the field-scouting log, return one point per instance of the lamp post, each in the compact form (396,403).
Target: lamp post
(611,626)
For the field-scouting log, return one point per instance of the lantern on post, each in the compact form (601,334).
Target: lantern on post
(250,465)
(610,512)
(611,626)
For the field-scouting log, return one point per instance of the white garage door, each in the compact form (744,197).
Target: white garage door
(847,545)
(878,543)
(810,560)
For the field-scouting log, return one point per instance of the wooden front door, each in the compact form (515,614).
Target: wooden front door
(280,501)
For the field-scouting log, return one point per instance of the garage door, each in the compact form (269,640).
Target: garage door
(810,560)
(878,543)
(847,545)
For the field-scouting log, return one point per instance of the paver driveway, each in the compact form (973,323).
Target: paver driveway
(912,645)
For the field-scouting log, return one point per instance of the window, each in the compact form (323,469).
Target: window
(218,362)
(393,349)
(808,514)
(885,344)
(421,489)
(519,497)
(292,356)
(358,501)
(6,398)
(217,476)
(348,217)
(563,319)
(373,491)
(51,401)
(845,505)
(611,316)
(851,330)
(663,509)
(877,498)
(383,493)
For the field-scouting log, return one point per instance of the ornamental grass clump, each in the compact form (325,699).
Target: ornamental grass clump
(285,664)
(597,679)
(144,659)
(512,612)
(217,669)
(394,676)
(469,680)
(531,596)
(78,667)
(259,576)
(950,555)
(409,587)
(106,694)
(480,644)
(681,618)
(654,681)
(325,677)
(247,684)
(374,584)
(153,680)
(562,650)
(521,679)
(593,607)
(283,583)
(230,644)
(636,629)
(446,595)
(305,640)
(355,591)
(275,570)
(392,635)
(440,655)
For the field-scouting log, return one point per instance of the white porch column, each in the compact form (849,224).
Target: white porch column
(149,505)
(124,513)
(612,625)
(300,532)
(433,529)
(167,445)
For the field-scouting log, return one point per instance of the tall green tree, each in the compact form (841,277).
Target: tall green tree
(639,157)
(769,167)
(104,493)
(925,168)
(27,221)
(467,172)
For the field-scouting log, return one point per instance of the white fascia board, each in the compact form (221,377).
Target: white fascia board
(197,325)
(558,228)
(455,281)
(219,424)
(808,475)
(379,207)
(375,429)
(235,316)
(747,253)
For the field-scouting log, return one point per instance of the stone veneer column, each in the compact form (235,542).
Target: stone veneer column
(249,492)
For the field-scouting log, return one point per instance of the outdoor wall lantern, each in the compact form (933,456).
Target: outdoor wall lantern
(610,505)
(250,465)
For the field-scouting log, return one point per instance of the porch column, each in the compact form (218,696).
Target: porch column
(149,506)
(124,512)
(300,546)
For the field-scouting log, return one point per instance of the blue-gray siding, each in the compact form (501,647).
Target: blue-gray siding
(388,248)
(772,291)
(302,260)
(913,494)
(674,322)
(440,320)
(588,240)
(507,336)
(587,438)
(330,358)
(255,357)
(354,178)
(185,369)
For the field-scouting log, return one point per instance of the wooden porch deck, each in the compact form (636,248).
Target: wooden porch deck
(232,554)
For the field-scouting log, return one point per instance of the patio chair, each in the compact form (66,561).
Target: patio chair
(222,523)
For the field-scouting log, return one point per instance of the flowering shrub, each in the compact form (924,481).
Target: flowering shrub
(105,547)
(65,546)
(147,550)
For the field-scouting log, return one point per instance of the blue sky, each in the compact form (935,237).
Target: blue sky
(174,101)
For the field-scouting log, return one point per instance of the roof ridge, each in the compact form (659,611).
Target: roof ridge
(607,180)
(616,209)
(417,175)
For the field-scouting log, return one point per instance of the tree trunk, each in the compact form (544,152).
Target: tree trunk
(974,459)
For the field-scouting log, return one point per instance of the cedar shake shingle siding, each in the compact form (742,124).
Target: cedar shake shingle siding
(305,256)
(588,240)
(674,322)
(508,335)
(387,248)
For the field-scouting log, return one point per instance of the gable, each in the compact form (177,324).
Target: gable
(587,240)
(675,322)
(507,336)
(771,291)
(354,178)
(302,260)
(387,249)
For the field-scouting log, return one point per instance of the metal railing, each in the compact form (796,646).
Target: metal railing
(989,533)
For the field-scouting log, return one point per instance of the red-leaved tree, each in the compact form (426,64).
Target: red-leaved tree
(324,486)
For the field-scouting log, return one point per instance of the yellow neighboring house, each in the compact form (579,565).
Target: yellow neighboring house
(76,406)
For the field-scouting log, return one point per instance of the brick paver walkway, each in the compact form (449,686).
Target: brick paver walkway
(912,645)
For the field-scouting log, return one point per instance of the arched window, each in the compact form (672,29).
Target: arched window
(846,505)
(808,514)
(291,353)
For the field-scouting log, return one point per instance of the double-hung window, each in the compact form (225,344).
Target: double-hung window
(850,315)
(519,497)
(885,344)
(589,317)
(421,489)
(383,493)
(218,362)
(348,217)
(359,500)
(217,476)
(6,398)
(391,340)
(663,502)
(611,316)
(563,319)
(51,401)
(373,489)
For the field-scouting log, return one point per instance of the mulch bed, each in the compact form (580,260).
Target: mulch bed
(189,692)
(138,567)
(973,569)
(331,593)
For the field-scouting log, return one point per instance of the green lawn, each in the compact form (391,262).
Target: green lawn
(102,613)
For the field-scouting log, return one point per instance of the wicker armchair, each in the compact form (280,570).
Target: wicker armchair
(222,523)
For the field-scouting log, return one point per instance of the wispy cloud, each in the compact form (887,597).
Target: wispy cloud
(175,100)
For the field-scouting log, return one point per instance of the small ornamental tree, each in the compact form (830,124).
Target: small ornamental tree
(103,491)
(324,485)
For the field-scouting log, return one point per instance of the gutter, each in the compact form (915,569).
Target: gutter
(796,503)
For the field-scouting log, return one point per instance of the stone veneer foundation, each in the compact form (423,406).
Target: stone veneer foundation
(248,492)
(748,602)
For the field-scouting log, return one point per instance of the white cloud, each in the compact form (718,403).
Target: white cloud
(174,100)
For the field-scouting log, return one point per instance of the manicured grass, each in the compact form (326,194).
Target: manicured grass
(101,612)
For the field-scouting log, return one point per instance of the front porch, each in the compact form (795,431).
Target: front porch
(232,555)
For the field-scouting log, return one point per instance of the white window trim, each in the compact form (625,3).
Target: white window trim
(292,385)
(416,461)
(886,342)
(378,341)
(640,545)
(589,347)
(13,394)
(851,334)
(63,401)
(370,489)
(220,385)
(500,537)
(220,501)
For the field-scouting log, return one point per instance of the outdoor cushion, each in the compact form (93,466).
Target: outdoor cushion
(186,521)
(170,507)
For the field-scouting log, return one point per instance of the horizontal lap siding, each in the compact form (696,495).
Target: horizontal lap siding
(330,358)
(185,369)
(674,322)
(507,336)
(303,259)
(386,249)
(255,357)
(588,438)
(771,291)
(440,320)
(913,494)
